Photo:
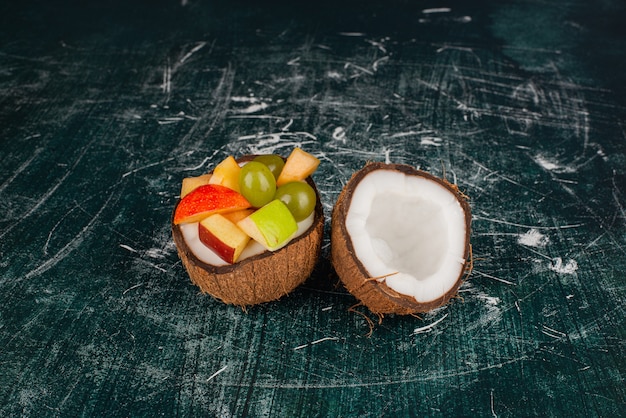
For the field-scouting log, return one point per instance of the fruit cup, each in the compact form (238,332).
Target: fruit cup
(262,274)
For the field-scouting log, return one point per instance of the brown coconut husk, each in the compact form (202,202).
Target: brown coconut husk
(262,278)
(376,295)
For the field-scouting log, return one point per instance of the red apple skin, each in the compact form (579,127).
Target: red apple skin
(223,237)
(206,200)
(224,251)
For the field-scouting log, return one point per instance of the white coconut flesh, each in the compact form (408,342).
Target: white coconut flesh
(409,232)
(208,256)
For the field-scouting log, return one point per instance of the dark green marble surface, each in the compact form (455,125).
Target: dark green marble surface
(106,106)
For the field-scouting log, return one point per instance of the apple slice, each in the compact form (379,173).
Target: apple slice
(271,226)
(207,200)
(223,237)
(190,183)
(299,165)
(226,174)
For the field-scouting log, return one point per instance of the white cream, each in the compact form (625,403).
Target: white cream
(205,254)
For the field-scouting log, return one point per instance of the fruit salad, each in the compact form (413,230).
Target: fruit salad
(243,209)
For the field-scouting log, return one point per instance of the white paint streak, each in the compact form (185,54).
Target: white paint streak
(569,267)
(195,49)
(548,165)
(351,34)
(408,133)
(131,288)
(378,62)
(533,238)
(430,140)
(386,382)
(244,99)
(498,221)
(128,173)
(489,276)
(42,200)
(170,120)
(361,70)
(286,127)
(129,248)
(52,231)
(216,373)
(199,166)
(69,247)
(430,326)
(387,156)
(378,45)
(490,300)
(437,10)
(339,134)
(335,75)
(552,332)
(316,342)
(155,253)
(271,142)
(166,86)
(22,167)
(252,108)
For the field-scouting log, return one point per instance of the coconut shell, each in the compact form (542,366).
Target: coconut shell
(375,295)
(262,278)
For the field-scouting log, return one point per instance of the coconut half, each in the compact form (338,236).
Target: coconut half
(400,238)
(261,277)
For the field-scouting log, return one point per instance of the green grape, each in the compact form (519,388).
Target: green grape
(299,197)
(274,162)
(257,183)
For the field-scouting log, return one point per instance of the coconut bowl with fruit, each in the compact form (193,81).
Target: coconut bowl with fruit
(250,231)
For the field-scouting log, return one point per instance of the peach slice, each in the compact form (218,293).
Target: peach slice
(299,165)
(226,173)
(191,183)
(207,200)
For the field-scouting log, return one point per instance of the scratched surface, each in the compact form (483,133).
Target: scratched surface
(103,110)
